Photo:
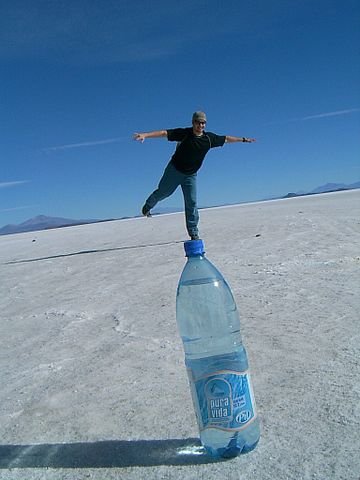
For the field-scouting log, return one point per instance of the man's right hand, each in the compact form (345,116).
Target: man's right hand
(140,137)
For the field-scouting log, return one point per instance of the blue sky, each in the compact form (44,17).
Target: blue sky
(78,78)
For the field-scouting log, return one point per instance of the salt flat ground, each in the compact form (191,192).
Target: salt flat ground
(91,364)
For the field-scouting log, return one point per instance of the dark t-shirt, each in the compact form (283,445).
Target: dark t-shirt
(191,149)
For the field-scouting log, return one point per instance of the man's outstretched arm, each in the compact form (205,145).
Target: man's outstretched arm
(230,139)
(140,137)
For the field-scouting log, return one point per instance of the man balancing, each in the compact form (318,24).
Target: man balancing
(193,144)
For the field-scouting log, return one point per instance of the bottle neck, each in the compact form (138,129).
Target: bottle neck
(195,257)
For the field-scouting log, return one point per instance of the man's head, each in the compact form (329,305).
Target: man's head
(199,122)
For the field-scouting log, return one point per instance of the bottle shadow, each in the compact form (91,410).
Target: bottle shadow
(106,454)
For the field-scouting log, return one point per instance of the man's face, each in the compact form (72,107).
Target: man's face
(198,127)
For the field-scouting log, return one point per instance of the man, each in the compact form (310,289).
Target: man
(193,144)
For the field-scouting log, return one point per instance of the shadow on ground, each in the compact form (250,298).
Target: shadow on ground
(105,454)
(87,252)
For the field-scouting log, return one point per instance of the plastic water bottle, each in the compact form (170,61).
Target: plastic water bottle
(215,357)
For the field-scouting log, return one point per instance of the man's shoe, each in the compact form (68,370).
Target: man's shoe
(194,236)
(146,211)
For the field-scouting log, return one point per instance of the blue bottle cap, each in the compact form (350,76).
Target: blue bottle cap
(194,247)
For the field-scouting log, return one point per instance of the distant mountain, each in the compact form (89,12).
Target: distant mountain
(327,188)
(42,222)
(333,187)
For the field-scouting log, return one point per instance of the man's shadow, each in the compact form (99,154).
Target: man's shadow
(105,454)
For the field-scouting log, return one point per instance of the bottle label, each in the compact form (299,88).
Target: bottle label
(225,400)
